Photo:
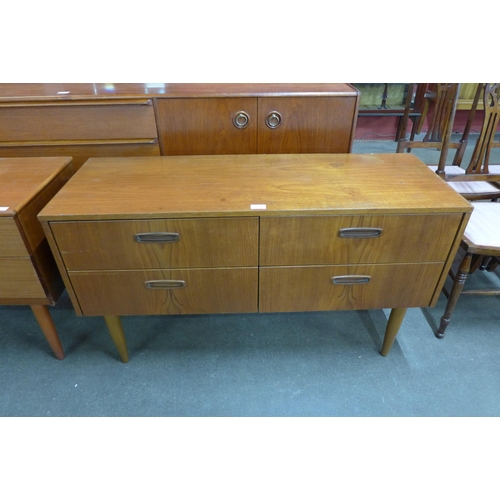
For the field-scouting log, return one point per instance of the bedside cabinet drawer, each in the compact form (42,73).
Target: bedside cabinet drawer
(182,291)
(320,288)
(19,280)
(11,242)
(289,241)
(155,244)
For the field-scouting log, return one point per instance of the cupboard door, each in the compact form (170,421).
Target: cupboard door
(306,124)
(207,126)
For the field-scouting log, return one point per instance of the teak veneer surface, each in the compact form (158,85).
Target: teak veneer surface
(28,271)
(314,184)
(203,243)
(23,178)
(78,91)
(254,233)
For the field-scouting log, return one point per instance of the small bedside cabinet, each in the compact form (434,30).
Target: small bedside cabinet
(28,272)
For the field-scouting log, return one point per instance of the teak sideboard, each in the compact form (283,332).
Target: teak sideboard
(112,120)
(28,272)
(254,233)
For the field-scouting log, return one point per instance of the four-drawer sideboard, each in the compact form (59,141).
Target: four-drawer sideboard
(28,272)
(254,233)
(113,120)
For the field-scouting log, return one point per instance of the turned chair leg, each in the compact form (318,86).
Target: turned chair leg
(458,285)
(46,323)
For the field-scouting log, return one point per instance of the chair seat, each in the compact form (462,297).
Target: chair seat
(473,187)
(483,228)
(454,169)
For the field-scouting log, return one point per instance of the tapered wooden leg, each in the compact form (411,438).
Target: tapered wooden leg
(395,319)
(458,285)
(44,319)
(116,331)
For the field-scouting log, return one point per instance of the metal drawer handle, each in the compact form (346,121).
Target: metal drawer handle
(162,284)
(241,119)
(273,119)
(353,279)
(156,237)
(360,232)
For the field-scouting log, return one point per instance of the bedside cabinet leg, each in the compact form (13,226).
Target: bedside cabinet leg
(116,331)
(45,322)
(395,319)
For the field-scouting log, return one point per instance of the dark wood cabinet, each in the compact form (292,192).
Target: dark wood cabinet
(230,125)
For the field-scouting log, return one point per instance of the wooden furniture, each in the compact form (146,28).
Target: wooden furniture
(28,272)
(253,233)
(480,250)
(112,120)
(438,135)
(475,182)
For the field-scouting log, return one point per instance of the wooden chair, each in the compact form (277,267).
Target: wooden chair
(480,188)
(481,247)
(438,136)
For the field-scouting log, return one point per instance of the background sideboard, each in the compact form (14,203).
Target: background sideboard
(114,120)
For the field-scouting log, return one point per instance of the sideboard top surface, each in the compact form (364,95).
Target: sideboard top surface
(252,185)
(12,92)
(22,178)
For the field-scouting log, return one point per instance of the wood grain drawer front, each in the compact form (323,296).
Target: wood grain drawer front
(82,152)
(201,126)
(317,240)
(11,242)
(287,289)
(306,124)
(77,122)
(18,280)
(201,243)
(146,292)
(16,268)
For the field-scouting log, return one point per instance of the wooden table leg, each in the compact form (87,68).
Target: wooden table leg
(44,319)
(116,331)
(392,329)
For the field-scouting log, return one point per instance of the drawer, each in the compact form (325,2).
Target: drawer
(146,292)
(310,288)
(16,268)
(313,240)
(22,289)
(77,122)
(82,152)
(201,243)
(18,280)
(11,242)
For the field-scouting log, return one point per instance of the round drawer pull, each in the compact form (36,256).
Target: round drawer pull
(241,119)
(273,119)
